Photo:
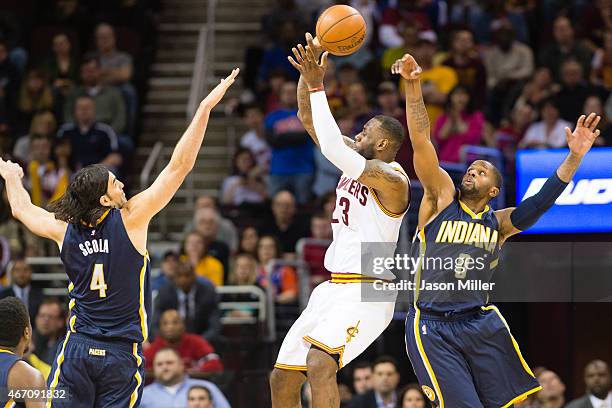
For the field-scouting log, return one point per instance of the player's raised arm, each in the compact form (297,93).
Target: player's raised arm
(436,182)
(303,94)
(142,207)
(373,173)
(516,219)
(36,219)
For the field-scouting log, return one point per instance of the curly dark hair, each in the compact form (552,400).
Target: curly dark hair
(81,201)
(14,319)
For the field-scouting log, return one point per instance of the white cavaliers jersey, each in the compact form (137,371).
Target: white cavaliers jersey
(359,217)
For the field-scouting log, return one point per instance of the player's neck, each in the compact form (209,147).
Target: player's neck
(475,204)
(13,350)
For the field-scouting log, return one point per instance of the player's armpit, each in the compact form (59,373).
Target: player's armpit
(506,228)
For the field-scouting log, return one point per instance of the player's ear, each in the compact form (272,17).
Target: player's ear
(27,333)
(494,192)
(105,201)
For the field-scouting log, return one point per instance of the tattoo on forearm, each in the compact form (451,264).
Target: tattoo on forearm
(417,115)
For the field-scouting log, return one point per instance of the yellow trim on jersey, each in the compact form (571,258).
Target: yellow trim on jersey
(6,351)
(417,278)
(10,404)
(430,372)
(329,350)
(72,320)
(523,396)
(142,312)
(382,207)
(98,221)
(56,374)
(514,343)
(70,287)
(352,278)
(494,263)
(472,213)
(290,367)
(134,396)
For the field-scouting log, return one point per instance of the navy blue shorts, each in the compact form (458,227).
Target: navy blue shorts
(468,361)
(97,373)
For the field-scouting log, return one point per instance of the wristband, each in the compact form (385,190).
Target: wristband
(317,89)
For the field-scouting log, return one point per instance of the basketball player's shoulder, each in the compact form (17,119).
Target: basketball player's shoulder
(23,375)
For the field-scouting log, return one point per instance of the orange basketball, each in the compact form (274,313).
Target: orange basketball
(341,30)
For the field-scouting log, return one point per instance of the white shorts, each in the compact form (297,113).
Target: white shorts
(337,321)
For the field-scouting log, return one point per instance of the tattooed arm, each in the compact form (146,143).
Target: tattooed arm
(438,186)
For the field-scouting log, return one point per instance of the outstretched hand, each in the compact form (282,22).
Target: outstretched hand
(307,63)
(8,169)
(407,67)
(215,96)
(582,138)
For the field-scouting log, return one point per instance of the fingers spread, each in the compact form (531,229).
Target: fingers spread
(581,120)
(594,123)
(324,59)
(298,57)
(295,64)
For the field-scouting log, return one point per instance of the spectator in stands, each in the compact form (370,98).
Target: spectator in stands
(601,66)
(328,203)
(275,57)
(49,329)
(168,269)
(436,80)
(207,224)
(412,396)
(172,384)
(565,46)
(358,107)
(9,81)
(283,279)
(34,96)
(70,15)
(248,241)
(459,126)
(282,12)
(46,179)
(553,389)
(255,137)
(62,67)
(549,132)
(509,63)
(314,253)
(116,69)
(320,227)
(43,123)
(286,226)
(243,273)
(197,354)
(362,377)
(385,379)
(464,59)
(508,137)
(292,163)
(110,107)
(199,397)
(388,101)
(598,387)
(21,287)
(574,90)
(226,231)
(594,104)
(409,44)
(246,184)
(20,239)
(539,88)
(196,300)
(207,266)
(92,141)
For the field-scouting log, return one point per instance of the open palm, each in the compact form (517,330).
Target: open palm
(407,67)
(582,138)
(215,96)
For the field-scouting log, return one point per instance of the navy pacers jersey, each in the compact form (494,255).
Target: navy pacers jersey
(7,361)
(459,252)
(109,291)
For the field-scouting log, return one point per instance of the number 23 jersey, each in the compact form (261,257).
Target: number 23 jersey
(359,217)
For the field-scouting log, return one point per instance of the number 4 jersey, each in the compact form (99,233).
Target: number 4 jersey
(359,217)
(109,288)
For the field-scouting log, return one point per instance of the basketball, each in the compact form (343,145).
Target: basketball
(341,30)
